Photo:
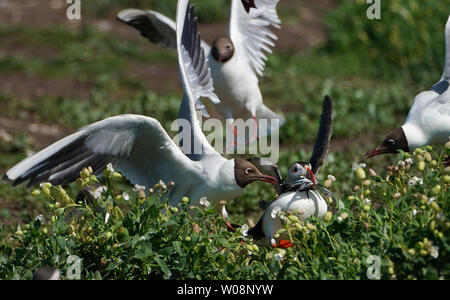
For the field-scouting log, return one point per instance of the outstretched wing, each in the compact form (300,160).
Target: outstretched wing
(138,146)
(155,26)
(322,145)
(444,83)
(196,79)
(250,32)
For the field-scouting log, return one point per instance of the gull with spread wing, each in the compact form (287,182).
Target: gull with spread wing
(236,60)
(140,148)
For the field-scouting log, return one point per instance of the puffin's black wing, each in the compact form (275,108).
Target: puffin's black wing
(267,167)
(323,139)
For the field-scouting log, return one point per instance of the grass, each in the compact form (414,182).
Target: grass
(368,103)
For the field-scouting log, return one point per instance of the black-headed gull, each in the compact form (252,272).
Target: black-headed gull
(428,121)
(141,149)
(236,60)
(300,192)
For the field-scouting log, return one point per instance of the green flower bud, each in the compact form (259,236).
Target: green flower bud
(36,193)
(427,157)
(366,208)
(360,174)
(328,216)
(108,235)
(46,190)
(435,207)
(293,219)
(174,210)
(447,145)
(185,200)
(447,179)
(188,239)
(436,190)
(116,175)
(433,163)
(421,165)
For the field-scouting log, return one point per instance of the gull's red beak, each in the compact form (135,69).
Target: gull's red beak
(267,178)
(376,152)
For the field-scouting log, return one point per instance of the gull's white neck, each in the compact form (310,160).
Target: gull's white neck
(414,136)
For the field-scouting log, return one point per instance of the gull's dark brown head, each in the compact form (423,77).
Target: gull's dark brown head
(248,4)
(394,142)
(245,173)
(222,49)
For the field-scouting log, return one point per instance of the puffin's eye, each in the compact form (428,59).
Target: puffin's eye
(248,171)
(391,142)
(295,170)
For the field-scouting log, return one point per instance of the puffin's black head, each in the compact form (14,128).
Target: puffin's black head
(222,49)
(394,142)
(245,173)
(300,170)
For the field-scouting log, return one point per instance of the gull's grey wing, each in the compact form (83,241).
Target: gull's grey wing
(196,80)
(250,32)
(154,26)
(444,83)
(138,146)
(322,145)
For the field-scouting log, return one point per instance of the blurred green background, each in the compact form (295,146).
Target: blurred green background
(58,75)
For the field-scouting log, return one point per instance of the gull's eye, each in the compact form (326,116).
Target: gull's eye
(248,171)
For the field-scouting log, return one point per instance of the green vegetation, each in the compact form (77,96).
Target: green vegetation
(371,69)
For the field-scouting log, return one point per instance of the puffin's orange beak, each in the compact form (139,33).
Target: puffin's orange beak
(312,175)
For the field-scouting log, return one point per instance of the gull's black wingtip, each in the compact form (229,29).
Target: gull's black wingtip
(6,178)
(248,4)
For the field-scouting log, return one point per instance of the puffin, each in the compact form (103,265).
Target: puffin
(300,192)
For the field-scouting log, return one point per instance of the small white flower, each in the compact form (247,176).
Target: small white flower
(42,185)
(110,168)
(244,230)
(163,185)
(401,163)
(204,202)
(107,218)
(440,216)
(415,180)
(331,178)
(434,251)
(431,200)
(97,193)
(414,212)
(275,212)
(125,196)
(138,188)
(273,242)
(357,166)
(409,161)
(340,219)
(278,256)
(367,201)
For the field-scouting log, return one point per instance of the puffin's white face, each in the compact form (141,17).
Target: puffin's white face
(296,171)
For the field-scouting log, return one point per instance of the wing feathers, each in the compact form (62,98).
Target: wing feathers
(323,139)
